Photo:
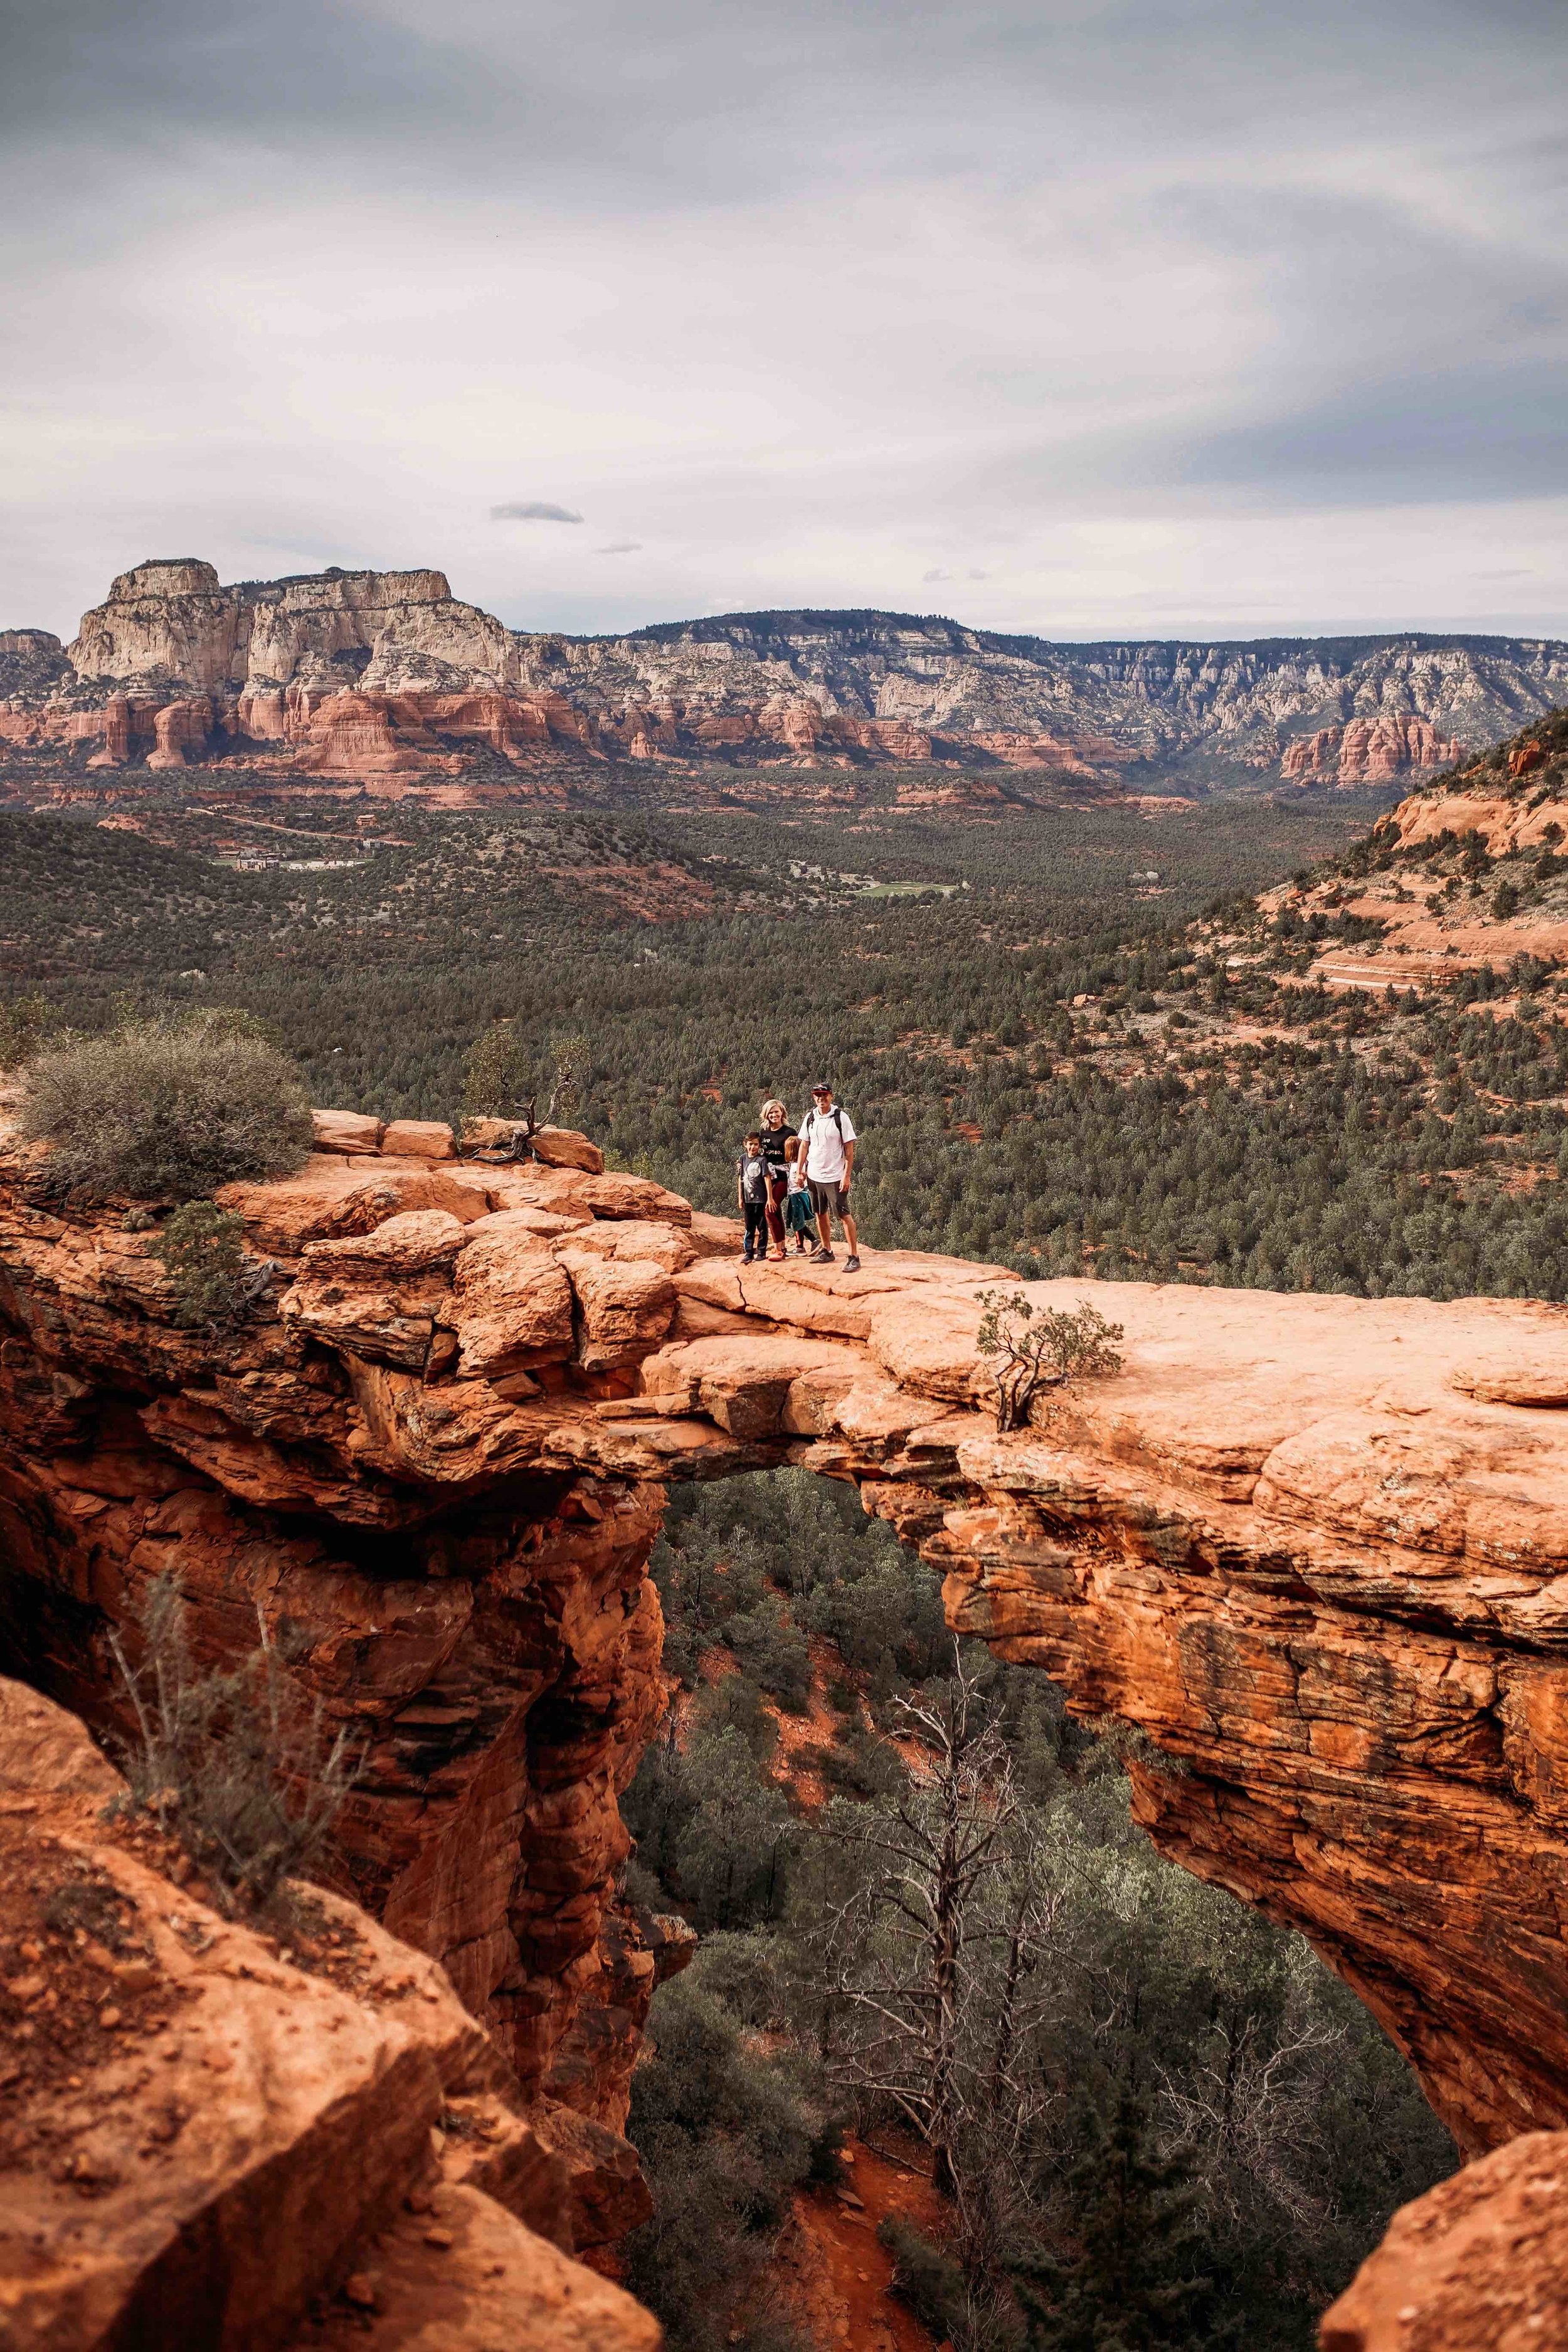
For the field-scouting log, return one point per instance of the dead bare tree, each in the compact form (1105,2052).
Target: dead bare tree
(1248,2111)
(931,1956)
(237,1763)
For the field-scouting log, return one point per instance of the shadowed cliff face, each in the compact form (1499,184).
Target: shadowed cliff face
(1316,1548)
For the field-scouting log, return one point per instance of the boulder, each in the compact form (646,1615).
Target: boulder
(634,1237)
(626,1305)
(488,1134)
(715,1236)
(1482,2261)
(466,2277)
(512,1303)
(42,1746)
(199,2134)
(330,1198)
(563,1147)
(349,1131)
(748,1385)
(418,1138)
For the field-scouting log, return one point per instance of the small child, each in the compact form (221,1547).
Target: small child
(751,1194)
(798,1217)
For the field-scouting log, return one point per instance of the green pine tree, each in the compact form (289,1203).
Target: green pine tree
(1134,2282)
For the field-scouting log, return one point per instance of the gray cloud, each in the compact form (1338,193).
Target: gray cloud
(621,547)
(1166,312)
(532,511)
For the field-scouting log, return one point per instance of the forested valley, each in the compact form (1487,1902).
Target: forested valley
(1072,1040)
(1160,2117)
(1055,1060)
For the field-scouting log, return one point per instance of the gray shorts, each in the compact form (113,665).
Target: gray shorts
(826,1199)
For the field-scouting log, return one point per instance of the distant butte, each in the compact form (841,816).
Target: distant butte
(386,680)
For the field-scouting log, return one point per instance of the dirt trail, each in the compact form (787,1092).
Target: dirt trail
(830,2266)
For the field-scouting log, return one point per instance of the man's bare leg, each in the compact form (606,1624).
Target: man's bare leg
(847,1221)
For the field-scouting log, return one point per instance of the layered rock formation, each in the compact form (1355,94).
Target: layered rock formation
(209,2136)
(1369,752)
(367,675)
(1314,1548)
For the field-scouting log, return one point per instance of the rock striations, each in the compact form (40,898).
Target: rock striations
(1315,1548)
(210,2138)
(373,676)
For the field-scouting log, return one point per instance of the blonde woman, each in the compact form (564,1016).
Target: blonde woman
(776,1131)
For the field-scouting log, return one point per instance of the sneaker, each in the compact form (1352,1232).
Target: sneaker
(746,1257)
(852,1265)
(821,1257)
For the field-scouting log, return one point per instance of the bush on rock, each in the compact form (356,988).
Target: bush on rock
(213,1282)
(167,1110)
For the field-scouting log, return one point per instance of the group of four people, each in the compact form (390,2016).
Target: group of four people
(796,1179)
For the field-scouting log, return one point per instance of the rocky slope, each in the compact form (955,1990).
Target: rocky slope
(1312,1547)
(209,2136)
(377,675)
(1464,872)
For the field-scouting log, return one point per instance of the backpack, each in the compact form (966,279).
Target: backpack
(809,1121)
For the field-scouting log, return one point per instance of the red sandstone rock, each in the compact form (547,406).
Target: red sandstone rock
(417,1138)
(563,1147)
(348,1132)
(491,2284)
(1369,752)
(327,1199)
(511,1304)
(351,735)
(625,1304)
(44,1748)
(1478,2265)
(251,2133)
(1314,1547)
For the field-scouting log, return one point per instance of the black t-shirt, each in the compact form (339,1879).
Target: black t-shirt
(774,1141)
(753,1178)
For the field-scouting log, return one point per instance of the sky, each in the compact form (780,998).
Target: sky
(1084,318)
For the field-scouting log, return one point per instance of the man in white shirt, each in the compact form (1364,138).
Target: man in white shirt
(828,1140)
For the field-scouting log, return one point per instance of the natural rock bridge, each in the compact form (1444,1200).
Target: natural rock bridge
(1315,1548)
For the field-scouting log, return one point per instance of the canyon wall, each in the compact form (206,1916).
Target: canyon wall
(1315,1548)
(214,2134)
(374,675)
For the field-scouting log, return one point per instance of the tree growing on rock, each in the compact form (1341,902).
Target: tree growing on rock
(1029,1351)
(501,1080)
(213,1281)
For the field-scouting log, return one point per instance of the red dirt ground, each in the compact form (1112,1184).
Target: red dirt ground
(831,2268)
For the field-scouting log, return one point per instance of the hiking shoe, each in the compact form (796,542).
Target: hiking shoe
(821,1257)
(852,1265)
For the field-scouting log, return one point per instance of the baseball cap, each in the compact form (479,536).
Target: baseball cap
(822,1088)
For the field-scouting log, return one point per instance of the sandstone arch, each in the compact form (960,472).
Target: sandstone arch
(1317,1548)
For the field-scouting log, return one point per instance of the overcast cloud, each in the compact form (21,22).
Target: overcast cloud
(1216,317)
